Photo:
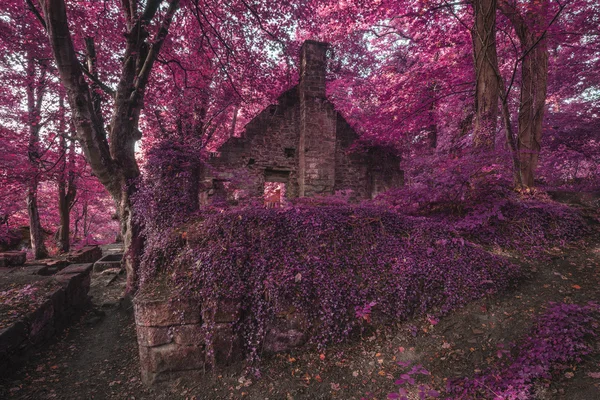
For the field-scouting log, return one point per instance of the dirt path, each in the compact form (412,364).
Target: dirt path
(97,358)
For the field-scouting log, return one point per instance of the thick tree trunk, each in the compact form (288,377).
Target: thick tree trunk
(67,190)
(534,81)
(64,243)
(534,77)
(112,161)
(486,67)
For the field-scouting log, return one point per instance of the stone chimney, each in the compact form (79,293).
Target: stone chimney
(316,148)
(313,66)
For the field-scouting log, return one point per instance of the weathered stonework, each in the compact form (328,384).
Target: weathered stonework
(12,258)
(185,338)
(301,141)
(67,300)
(87,254)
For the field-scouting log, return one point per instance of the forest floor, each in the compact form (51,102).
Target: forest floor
(97,358)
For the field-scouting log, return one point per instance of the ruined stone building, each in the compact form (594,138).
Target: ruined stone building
(303,145)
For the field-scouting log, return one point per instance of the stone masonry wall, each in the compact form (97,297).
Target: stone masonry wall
(184,338)
(68,300)
(302,141)
(270,143)
(317,123)
(351,169)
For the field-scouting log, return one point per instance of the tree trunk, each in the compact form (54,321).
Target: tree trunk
(35,95)
(486,66)
(112,161)
(67,190)
(534,81)
(534,77)
(35,226)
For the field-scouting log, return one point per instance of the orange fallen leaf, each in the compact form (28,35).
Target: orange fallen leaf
(576,287)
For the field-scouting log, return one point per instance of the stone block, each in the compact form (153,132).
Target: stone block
(172,357)
(12,337)
(51,267)
(12,258)
(59,302)
(88,254)
(150,336)
(77,269)
(41,322)
(166,312)
(226,345)
(109,261)
(188,334)
(76,286)
(225,311)
(76,280)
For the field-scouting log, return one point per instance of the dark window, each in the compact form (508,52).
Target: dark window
(289,152)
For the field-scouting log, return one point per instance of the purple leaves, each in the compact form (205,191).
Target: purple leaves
(559,337)
(338,266)
(408,379)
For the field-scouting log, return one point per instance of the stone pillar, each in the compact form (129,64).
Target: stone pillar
(317,123)
(184,338)
(170,338)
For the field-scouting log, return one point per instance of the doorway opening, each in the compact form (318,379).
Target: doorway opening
(274,194)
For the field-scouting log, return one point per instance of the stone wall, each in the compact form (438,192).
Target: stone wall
(184,338)
(301,141)
(269,144)
(67,300)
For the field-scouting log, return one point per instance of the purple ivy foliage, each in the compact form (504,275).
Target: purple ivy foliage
(167,198)
(327,263)
(482,208)
(408,378)
(558,339)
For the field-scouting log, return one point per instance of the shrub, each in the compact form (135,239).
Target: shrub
(333,264)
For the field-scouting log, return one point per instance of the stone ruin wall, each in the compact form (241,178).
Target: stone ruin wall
(245,160)
(301,141)
(173,340)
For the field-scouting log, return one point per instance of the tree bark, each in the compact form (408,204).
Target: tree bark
(534,82)
(67,190)
(486,66)
(112,161)
(35,94)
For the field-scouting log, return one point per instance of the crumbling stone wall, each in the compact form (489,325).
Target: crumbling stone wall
(174,342)
(303,142)
(269,145)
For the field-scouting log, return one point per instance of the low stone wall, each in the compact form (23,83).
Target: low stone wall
(87,254)
(10,259)
(109,261)
(54,314)
(183,338)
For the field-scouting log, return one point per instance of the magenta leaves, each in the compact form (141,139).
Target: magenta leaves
(558,339)
(337,266)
